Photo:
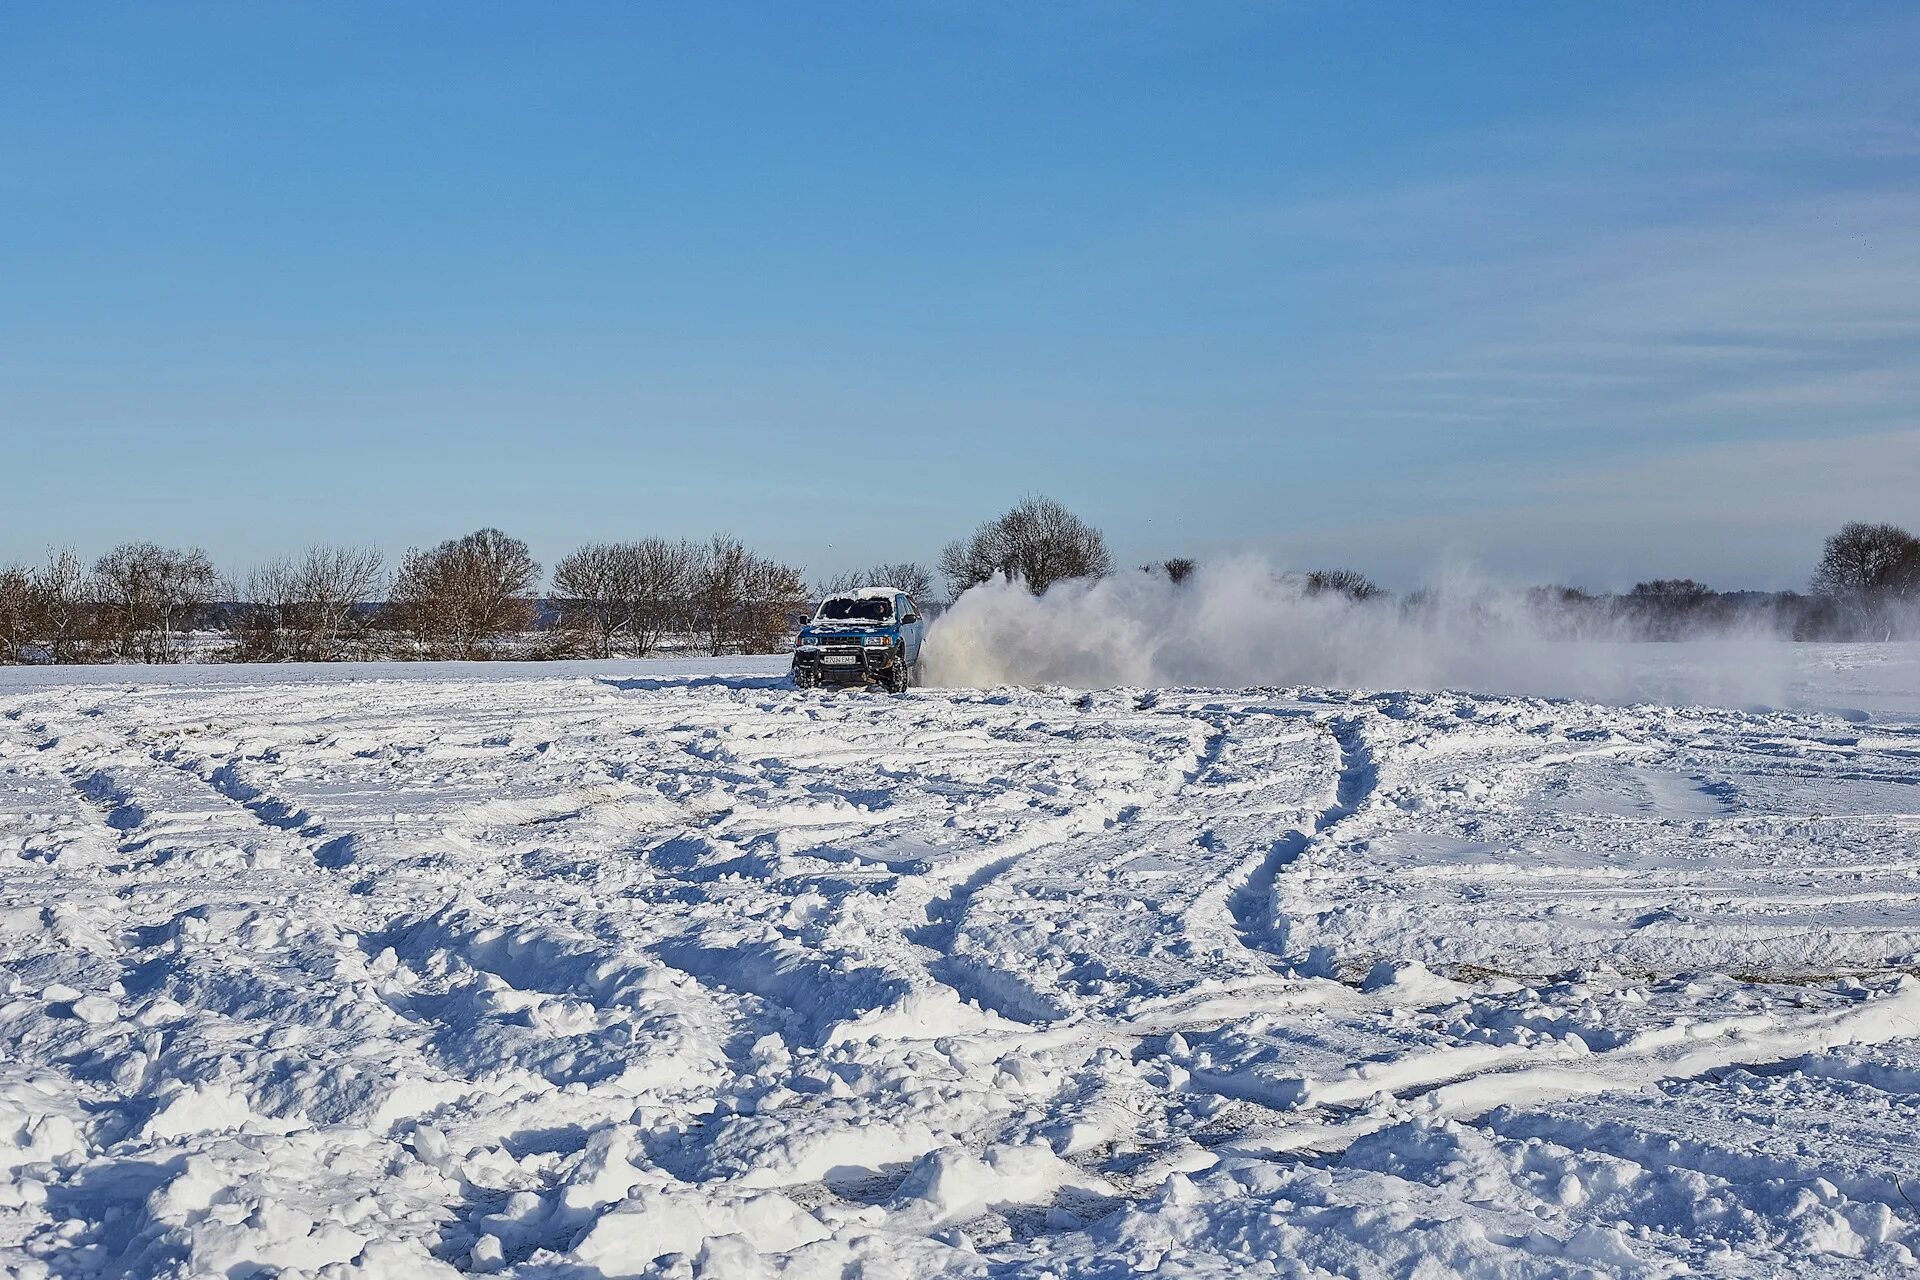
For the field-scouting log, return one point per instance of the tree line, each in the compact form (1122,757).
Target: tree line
(478,597)
(472,597)
(1865,587)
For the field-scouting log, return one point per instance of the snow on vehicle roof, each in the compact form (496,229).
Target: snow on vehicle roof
(865,593)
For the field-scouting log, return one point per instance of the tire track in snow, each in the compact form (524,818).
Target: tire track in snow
(108,803)
(301,830)
(1684,1052)
(948,890)
(944,911)
(1154,867)
(1732,1138)
(107,776)
(1252,904)
(993,987)
(268,808)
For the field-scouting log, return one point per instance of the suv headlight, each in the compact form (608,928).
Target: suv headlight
(877,642)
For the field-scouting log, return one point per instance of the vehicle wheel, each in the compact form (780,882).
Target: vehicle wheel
(896,681)
(804,680)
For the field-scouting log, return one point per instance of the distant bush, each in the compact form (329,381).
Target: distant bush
(464,597)
(147,597)
(743,602)
(16,614)
(1177,570)
(909,577)
(1672,608)
(315,609)
(1350,583)
(60,605)
(1038,543)
(625,596)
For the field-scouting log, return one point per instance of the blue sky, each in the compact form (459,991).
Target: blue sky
(1584,293)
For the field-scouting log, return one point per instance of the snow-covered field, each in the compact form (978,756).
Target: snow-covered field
(664,968)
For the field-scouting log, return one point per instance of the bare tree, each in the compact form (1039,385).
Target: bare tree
(719,587)
(1670,608)
(1037,543)
(661,578)
(1870,564)
(742,601)
(304,610)
(914,579)
(461,597)
(590,596)
(149,595)
(335,585)
(265,607)
(1680,591)
(60,602)
(1178,569)
(624,590)
(1350,583)
(16,614)
(633,589)
(776,601)
(1566,613)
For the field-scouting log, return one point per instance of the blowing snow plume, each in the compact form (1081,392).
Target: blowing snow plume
(1241,623)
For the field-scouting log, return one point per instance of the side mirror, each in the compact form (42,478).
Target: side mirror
(910,619)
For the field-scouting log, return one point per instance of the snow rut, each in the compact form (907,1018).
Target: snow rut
(551,976)
(1261,924)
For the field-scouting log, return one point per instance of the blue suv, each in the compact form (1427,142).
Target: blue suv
(867,636)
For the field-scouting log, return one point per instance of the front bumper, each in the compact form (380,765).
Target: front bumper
(826,664)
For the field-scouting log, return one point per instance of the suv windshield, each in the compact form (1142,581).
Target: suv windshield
(870,609)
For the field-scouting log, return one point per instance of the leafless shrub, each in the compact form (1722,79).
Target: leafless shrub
(261,622)
(309,610)
(1567,613)
(776,602)
(461,598)
(662,578)
(1176,570)
(148,595)
(16,614)
(1038,543)
(914,579)
(60,601)
(1674,591)
(337,584)
(743,602)
(610,591)
(1350,583)
(1671,609)
(590,596)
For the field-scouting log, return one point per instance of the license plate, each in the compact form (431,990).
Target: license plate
(840,659)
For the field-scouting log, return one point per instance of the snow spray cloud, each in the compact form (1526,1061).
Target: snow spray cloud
(1240,623)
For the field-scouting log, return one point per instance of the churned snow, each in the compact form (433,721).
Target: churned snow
(666,969)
